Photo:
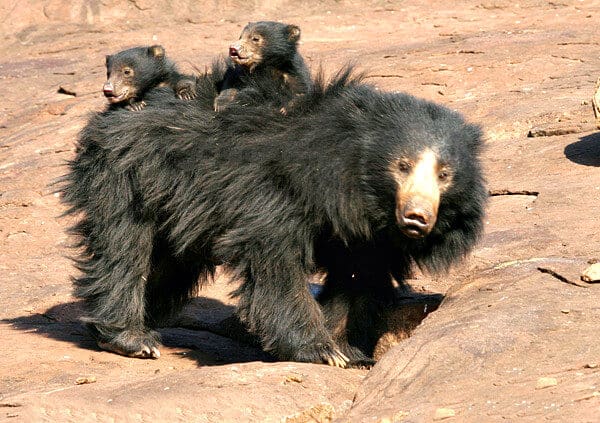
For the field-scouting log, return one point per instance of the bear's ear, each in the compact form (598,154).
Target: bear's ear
(156,51)
(293,33)
(475,138)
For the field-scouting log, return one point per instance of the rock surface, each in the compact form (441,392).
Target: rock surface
(516,313)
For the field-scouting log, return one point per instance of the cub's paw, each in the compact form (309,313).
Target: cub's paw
(186,90)
(136,106)
(225,98)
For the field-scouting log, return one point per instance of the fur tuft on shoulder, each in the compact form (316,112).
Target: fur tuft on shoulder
(346,77)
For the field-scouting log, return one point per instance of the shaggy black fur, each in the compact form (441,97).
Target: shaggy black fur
(168,193)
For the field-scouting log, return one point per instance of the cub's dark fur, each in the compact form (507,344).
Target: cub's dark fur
(269,48)
(131,73)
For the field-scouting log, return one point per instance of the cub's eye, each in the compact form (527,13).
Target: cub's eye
(127,71)
(443,175)
(404,166)
(255,39)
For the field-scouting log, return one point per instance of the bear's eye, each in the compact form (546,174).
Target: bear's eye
(443,175)
(404,166)
(127,71)
(255,39)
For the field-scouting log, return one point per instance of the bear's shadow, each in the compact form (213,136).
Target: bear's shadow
(209,329)
(214,342)
(586,151)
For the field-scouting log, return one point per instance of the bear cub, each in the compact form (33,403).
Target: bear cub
(131,73)
(270,48)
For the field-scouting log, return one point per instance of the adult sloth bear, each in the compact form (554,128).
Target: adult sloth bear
(355,182)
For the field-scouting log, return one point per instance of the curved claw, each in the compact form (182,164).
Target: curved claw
(338,359)
(136,107)
(146,352)
(186,95)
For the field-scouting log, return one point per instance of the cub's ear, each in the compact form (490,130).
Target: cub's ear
(156,51)
(293,33)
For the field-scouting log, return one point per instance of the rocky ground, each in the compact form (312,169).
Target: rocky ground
(516,337)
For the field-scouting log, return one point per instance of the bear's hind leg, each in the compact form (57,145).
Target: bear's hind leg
(115,272)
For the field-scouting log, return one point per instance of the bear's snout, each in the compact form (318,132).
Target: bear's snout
(417,219)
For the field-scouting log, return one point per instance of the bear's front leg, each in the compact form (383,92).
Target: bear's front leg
(276,304)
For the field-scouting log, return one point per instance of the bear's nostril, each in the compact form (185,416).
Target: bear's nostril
(108,89)
(415,216)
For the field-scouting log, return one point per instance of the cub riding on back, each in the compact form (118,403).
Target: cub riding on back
(269,48)
(131,73)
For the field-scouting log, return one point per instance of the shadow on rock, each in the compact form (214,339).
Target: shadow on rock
(586,151)
(60,322)
(212,333)
(399,321)
(215,335)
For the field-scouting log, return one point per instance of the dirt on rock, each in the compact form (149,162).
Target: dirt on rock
(516,335)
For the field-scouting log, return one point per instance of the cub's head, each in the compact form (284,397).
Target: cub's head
(131,72)
(265,43)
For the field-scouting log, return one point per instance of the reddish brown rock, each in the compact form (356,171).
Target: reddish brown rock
(510,66)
